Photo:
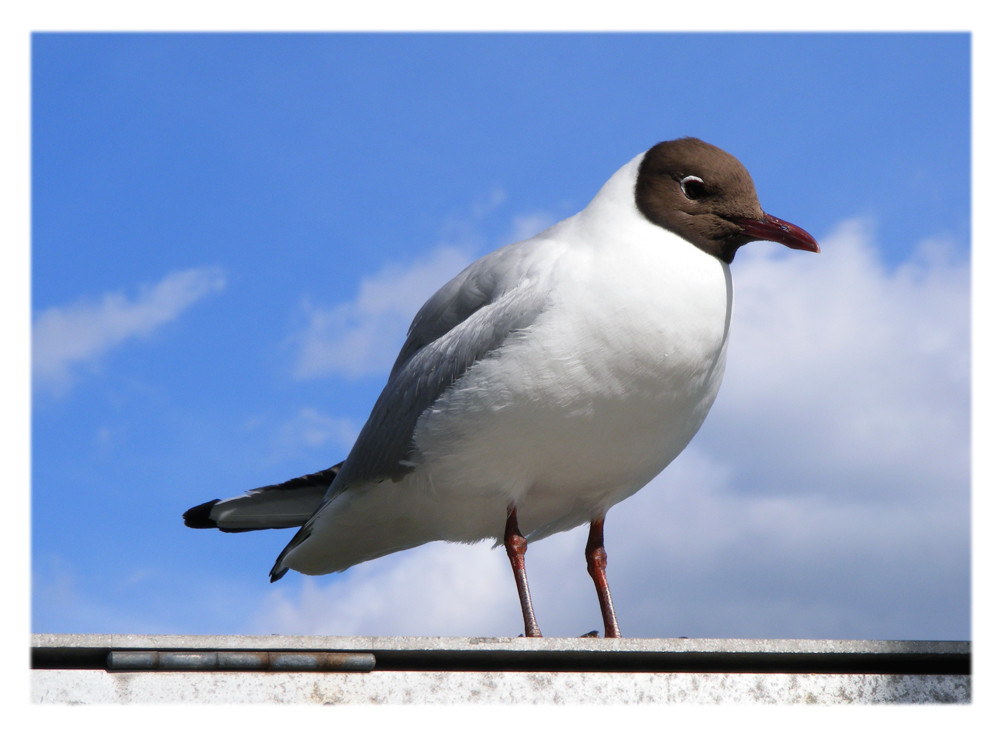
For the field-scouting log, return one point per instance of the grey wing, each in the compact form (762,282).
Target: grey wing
(455,302)
(462,323)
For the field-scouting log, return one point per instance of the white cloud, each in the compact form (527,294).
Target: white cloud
(826,496)
(363,336)
(863,367)
(441,589)
(528,225)
(309,430)
(66,339)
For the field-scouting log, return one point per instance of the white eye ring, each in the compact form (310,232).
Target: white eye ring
(693,192)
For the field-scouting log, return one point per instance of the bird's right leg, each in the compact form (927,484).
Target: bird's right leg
(516,546)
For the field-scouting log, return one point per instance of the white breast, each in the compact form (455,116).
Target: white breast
(593,400)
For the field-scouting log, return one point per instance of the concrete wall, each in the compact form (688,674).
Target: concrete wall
(356,670)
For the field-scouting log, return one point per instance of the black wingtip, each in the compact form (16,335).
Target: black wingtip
(199,517)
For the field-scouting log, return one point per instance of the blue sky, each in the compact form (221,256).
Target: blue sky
(231,232)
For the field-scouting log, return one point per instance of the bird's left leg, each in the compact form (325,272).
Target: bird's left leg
(597,561)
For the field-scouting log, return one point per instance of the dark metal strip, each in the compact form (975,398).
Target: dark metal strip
(243,661)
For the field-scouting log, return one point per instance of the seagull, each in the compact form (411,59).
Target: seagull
(546,382)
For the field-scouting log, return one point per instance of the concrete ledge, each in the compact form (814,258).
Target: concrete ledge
(283,669)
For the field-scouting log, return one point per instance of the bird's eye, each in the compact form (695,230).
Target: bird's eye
(693,187)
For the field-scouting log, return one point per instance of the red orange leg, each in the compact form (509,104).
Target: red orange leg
(516,546)
(597,561)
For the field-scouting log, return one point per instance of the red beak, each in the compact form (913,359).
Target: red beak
(776,230)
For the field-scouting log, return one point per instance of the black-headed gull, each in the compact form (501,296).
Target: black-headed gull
(546,382)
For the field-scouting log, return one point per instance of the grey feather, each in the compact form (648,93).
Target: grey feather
(467,319)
